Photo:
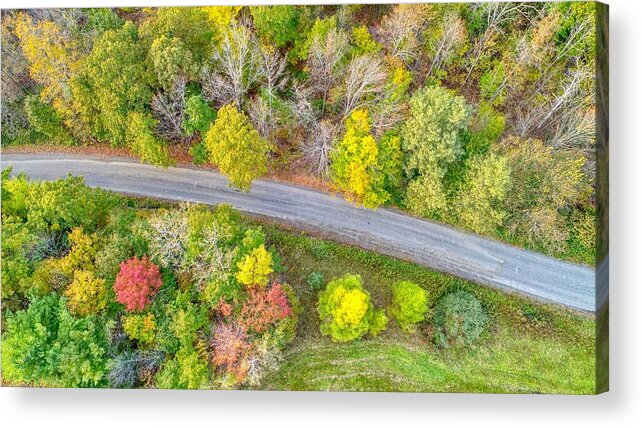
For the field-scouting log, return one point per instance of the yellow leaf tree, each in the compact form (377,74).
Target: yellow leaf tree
(236,148)
(355,167)
(255,267)
(86,294)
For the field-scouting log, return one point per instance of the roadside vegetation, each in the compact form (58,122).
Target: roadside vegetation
(478,115)
(103,290)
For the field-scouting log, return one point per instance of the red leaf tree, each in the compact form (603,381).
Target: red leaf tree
(137,282)
(230,349)
(264,307)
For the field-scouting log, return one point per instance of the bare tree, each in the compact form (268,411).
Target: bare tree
(261,114)
(169,111)
(364,82)
(386,115)
(576,131)
(497,14)
(234,68)
(167,237)
(324,59)
(302,108)
(271,70)
(571,96)
(317,149)
(453,33)
(401,31)
(212,262)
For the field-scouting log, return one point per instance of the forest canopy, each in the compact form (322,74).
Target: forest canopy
(480,115)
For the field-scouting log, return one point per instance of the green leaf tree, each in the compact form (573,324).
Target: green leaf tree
(113,81)
(276,24)
(142,141)
(431,134)
(480,202)
(171,58)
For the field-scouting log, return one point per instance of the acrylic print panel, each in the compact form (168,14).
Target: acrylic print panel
(404,197)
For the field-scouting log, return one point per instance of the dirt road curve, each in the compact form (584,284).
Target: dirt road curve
(433,245)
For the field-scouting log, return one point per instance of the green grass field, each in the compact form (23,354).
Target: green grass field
(529,347)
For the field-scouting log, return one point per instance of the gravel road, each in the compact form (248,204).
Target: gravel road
(433,245)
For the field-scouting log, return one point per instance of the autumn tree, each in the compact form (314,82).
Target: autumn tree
(480,203)
(53,59)
(46,345)
(326,52)
(317,149)
(168,108)
(444,45)
(431,141)
(198,115)
(137,282)
(364,83)
(236,148)
(140,327)
(86,294)
(231,350)
(346,311)
(363,42)
(355,162)
(255,267)
(542,182)
(401,31)
(431,134)
(186,31)
(265,307)
(171,59)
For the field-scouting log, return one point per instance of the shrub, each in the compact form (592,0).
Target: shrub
(86,294)
(346,311)
(459,319)
(255,267)
(409,304)
(378,323)
(315,280)
(140,327)
(137,282)
(199,154)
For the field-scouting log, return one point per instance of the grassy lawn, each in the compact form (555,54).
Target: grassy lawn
(529,347)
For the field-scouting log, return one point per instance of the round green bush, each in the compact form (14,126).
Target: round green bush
(459,319)
(315,280)
(409,304)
